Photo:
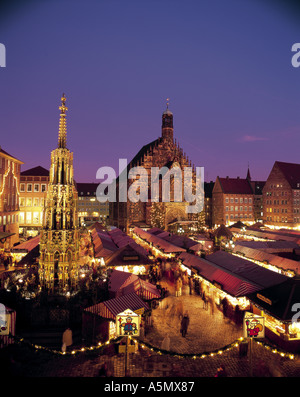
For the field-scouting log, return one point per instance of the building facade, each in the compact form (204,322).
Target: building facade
(232,201)
(10,169)
(162,152)
(91,210)
(281,196)
(59,241)
(33,190)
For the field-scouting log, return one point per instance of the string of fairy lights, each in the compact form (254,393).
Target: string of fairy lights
(100,346)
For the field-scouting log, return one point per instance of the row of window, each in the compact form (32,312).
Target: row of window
(279,185)
(31,202)
(237,208)
(237,216)
(276,194)
(30,218)
(37,187)
(276,219)
(7,220)
(276,202)
(241,200)
(277,210)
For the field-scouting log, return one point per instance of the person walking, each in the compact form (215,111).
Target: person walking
(205,302)
(191,285)
(177,287)
(165,344)
(184,324)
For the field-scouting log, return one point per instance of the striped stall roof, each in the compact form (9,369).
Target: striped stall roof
(143,289)
(112,307)
(119,280)
(237,278)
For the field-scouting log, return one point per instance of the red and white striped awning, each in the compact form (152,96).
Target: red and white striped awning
(112,307)
(143,289)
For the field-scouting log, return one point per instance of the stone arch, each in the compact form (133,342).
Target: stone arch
(175,212)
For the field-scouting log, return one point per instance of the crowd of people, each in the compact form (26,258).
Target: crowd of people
(6,259)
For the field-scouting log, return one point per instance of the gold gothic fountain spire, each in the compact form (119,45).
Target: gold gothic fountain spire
(59,241)
(62,133)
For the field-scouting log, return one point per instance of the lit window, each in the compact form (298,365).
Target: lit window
(28,217)
(35,219)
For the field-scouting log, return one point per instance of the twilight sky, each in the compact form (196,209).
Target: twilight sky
(224,64)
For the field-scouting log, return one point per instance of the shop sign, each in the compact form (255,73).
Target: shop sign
(140,311)
(128,323)
(264,299)
(131,258)
(253,326)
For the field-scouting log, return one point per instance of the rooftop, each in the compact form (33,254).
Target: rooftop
(235,185)
(36,171)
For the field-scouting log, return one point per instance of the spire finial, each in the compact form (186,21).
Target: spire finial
(168,100)
(62,134)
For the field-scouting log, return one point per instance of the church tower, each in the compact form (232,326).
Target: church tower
(167,124)
(59,242)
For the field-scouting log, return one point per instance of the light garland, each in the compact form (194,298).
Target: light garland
(144,345)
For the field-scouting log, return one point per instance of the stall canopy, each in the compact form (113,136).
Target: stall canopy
(246,269)
(232,274)
(116,247)
(230,283)
(128,255)
(27,246)
(179,241)
(121,283)
(119,280)
(102,242)
(112,307)
(270,246)
(268,258)
(269,234)
(223,232)
(280,301)
(143,289)
(158,242)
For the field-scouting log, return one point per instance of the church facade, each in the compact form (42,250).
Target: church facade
(162,153)
(59,241)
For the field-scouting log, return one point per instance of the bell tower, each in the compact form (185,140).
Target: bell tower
(59,242)
(167,123)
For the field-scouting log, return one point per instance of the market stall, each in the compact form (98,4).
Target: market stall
(222,275)
(99,320)
(159,246)
(268,260)
(129,258)
(21,250)
(280,305)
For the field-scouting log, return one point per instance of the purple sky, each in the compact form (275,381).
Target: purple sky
(225,65)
